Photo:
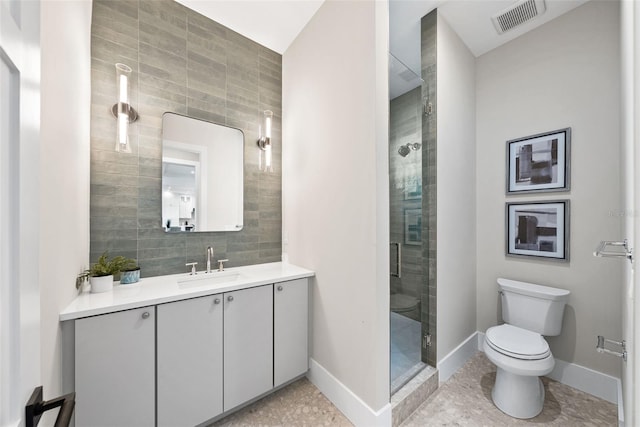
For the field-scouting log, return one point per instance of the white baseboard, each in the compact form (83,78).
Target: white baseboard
(358,412)
(620,405)
(584,379)
(453,361)
(593,382)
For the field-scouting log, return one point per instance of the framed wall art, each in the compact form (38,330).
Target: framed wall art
(538,229)
(539,163)
(413,226)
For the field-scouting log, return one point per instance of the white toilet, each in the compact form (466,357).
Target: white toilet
(518,348)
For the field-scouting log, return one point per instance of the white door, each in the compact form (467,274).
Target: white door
(19,138)
(248,344)
(189,354)
(630,54)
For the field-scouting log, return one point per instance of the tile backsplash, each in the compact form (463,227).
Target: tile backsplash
(184,63)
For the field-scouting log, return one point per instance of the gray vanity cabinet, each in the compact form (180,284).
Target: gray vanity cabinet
(248,344)
(115,369)
(188,361)
(290,330)
(189,357)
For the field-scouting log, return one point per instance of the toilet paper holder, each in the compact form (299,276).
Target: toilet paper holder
(601,349)
(604,250)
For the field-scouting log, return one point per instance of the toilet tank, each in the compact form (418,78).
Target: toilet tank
(533,307)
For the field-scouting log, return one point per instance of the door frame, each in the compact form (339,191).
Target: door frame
(19,204)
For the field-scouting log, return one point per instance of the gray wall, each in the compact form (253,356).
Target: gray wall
(188,64)
(336,205)
(564,73)
(64,176)
(456,192)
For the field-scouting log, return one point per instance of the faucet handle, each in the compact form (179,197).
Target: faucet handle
(193,267)
(221,264)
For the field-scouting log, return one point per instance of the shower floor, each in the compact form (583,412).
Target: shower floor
(405,350)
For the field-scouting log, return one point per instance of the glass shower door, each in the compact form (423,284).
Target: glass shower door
(405,194)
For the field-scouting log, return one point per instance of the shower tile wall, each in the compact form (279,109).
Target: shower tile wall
(405,190)
(188,64)
(429,164)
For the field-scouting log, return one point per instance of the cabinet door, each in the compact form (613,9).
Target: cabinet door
(248,344)
(115,369)
(290,330)
(189,352)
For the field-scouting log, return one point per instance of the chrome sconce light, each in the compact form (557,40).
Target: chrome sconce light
(122,110)
(264,142)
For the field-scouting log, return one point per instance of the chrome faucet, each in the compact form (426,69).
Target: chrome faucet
(209,256)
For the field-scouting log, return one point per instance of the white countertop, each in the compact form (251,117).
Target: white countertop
(161,289)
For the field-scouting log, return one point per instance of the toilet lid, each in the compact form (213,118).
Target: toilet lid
(517,342)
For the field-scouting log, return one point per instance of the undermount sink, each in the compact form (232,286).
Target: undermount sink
(206,279)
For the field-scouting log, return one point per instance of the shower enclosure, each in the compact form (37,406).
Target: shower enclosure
(407,264)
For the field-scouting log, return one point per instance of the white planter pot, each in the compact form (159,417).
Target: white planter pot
(101,283)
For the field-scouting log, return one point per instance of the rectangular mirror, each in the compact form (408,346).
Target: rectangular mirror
(202,175)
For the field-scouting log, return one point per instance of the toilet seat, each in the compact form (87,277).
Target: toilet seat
(401,303)
(517,342)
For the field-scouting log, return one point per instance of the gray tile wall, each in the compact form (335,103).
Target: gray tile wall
(429,194)
(405,126)
(188,64)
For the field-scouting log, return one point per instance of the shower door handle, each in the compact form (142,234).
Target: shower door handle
(398,272)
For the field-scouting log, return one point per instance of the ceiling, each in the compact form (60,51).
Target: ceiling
(272,23)
(470,19)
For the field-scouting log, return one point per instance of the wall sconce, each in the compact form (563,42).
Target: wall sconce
(264,142)
(123,111)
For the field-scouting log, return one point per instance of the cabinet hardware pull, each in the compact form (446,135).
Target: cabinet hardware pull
(216,301)
(145,315)
(230,298)
(280,287)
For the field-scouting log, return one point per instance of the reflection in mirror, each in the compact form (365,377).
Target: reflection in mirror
(202,175)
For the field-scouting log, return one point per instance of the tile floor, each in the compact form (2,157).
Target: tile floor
(464,400)
(298,404)
(405,350)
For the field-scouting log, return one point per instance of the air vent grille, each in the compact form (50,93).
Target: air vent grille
(517,14)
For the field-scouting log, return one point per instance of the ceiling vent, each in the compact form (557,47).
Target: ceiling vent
(517,14)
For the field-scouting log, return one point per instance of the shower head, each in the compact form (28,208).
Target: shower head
(404,150)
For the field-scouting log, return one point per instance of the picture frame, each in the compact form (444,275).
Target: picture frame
(538,229)
(539,163)
(413,226)
(413,189)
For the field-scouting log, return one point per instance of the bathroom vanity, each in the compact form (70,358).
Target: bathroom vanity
(182,349)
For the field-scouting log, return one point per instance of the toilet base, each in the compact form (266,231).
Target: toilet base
(519,396)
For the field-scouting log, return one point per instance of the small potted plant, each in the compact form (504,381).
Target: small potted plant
(130,274)
(100,275)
